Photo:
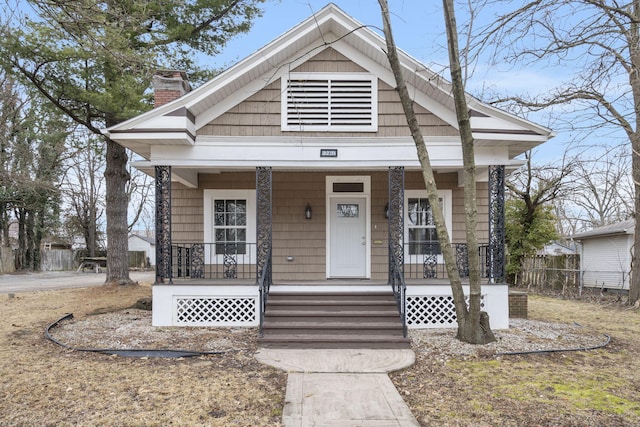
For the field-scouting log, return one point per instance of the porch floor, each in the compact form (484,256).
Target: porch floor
(376,284)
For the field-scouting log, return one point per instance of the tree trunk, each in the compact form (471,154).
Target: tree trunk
(634,47)
(465,326)
(116,177)
(22,240)
(634,282)
(475,328)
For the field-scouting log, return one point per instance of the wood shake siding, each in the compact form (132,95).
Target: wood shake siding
(259,115)
(293,235)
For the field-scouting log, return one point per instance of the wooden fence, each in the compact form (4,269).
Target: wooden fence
(556,273)
(7,260)
(58,260)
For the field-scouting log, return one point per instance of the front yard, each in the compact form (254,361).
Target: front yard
(44,384)
(586,388)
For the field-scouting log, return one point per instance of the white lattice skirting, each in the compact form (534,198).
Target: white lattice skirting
(432,306)
(205,305)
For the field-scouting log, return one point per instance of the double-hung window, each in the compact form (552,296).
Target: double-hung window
(421,237)
(230,224)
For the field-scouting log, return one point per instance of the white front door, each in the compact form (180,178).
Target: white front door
(348,236)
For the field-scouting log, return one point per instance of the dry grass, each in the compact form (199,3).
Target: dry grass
(594,388)
(45,385)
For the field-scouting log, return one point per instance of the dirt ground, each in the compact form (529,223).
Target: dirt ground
(44,384)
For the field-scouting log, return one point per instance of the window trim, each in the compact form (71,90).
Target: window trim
(209,219)
(373,127)
(447,204)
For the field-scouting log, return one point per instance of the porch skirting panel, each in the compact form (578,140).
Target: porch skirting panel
(193,305)
(432,306)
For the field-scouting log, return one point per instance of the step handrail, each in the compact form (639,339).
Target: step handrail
(264,285)
(399,288)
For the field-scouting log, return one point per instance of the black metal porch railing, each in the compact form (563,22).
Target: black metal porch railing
(424,261)
(265,281)
(399,287)
(213,260)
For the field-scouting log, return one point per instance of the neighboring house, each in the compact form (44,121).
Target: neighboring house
(139,243)
(606,255)
(295,169)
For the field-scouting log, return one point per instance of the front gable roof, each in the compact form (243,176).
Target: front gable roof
(177,123)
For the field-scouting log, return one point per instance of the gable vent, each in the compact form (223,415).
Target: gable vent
(330,103)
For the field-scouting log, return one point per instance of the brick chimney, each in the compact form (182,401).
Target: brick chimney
(169,85)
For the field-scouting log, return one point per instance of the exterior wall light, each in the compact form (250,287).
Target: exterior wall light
(307,212)
(386,210)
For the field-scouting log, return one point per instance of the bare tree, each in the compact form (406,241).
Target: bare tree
(602,188)
(473,324)
(598,39)
(83,189)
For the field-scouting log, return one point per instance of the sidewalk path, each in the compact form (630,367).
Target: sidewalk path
(341,387)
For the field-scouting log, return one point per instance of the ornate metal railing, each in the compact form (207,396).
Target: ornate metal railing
(423,261)
(264,285)
(399,287)
(213,260)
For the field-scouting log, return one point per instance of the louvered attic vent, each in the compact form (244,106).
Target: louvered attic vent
(330,102)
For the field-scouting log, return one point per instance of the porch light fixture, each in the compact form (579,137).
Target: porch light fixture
(386,210)
(307,212)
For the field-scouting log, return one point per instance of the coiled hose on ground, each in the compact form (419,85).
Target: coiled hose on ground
(130,352)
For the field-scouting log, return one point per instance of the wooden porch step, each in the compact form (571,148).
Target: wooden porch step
(332,320)
(336,341)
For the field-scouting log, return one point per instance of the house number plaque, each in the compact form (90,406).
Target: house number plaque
(328,152)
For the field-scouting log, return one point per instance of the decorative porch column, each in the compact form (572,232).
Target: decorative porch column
(263,223)
(396,219)
(496,224)
(163,224)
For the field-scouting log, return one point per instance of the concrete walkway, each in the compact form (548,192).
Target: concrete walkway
(341,387)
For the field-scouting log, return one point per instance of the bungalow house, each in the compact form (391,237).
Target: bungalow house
(293,175)
(605,255)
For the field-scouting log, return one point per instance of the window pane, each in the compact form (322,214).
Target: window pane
(345,210)
(230,234)
(218,212)
(412,212)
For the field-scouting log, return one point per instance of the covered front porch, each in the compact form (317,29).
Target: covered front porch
(228,283)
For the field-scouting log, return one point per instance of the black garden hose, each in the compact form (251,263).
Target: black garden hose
(557,350)
(129,352)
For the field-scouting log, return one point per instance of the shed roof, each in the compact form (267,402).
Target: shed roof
(623,227)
